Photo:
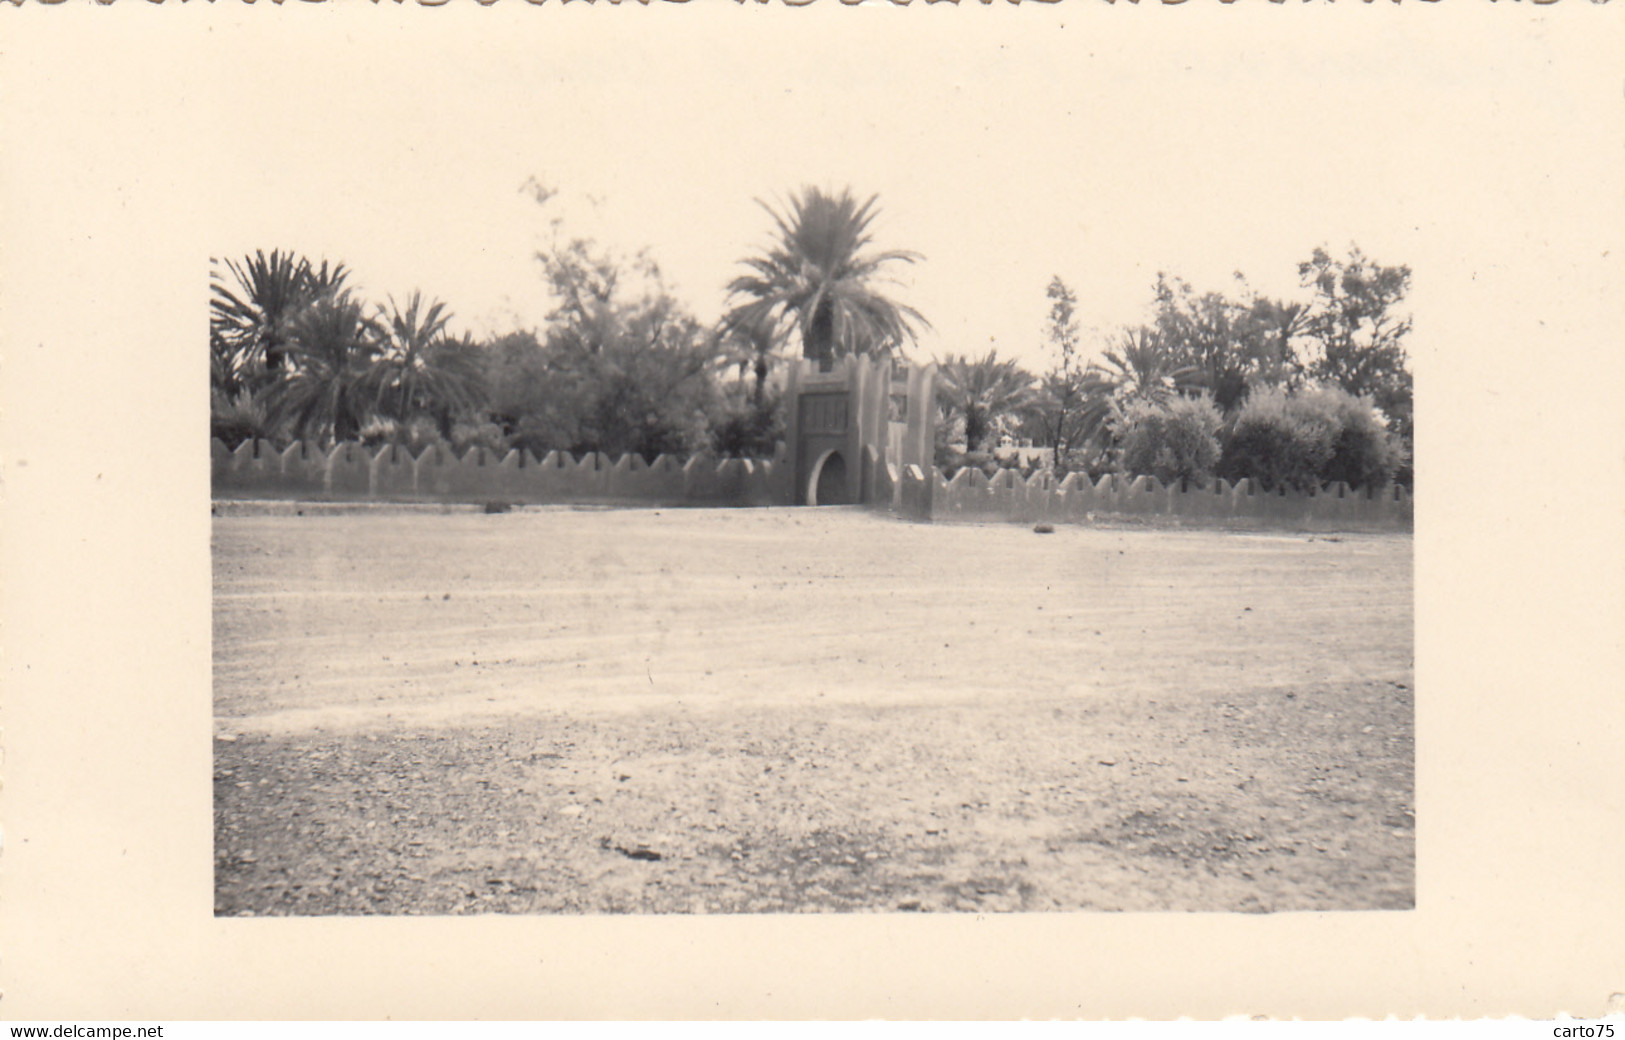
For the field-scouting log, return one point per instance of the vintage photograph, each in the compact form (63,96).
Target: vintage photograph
(744,511)
(853,493)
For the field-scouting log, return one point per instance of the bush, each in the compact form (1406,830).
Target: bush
(1172,442)
(1303,441)
(1406,473)
(479,434)
(540,434)
(1364,453)
(950,461)
(1093,462)
(608,384)
(415,435)
(1279,441)
(750,430)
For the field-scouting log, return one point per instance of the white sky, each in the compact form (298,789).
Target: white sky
(1036,141)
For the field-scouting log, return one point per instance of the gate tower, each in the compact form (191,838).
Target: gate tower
(854,424)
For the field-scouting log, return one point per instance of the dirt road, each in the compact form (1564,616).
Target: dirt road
(802,710)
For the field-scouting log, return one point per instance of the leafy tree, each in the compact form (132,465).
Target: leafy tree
(457,388)
(252,311)
(525,398)
(324,390)
(1358,335)
(750,429)
(818,277)
(223,378)
(1060,406)
(621,365)
(1231,344)
(1139,369)
(1278,326)
(646,397)
(981,391)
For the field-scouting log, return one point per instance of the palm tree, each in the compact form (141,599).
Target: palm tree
(330,350)
(249,322)
(459,383)
(817,278)
(419,368)
(983,391)
(1141,367)
(1138,367)
(750,347)
(234,419)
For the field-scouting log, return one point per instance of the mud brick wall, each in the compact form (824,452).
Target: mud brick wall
(354,473)
(971,495)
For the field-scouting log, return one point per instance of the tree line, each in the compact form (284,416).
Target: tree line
(620,365)
(1290,393)
(1236,384)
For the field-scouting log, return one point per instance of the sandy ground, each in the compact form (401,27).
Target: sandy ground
(566,710)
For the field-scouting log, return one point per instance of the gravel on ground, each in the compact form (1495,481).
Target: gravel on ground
(796,710)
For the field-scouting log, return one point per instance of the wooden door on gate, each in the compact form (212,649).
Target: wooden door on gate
(824,421)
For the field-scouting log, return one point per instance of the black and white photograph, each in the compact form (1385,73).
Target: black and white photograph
(951,470)
(700,501)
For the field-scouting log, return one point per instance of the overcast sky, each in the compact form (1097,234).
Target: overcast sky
(1006,146)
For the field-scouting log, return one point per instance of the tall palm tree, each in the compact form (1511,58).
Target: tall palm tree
(817,277)
(249,322)
(419,368)
(323,393)
(982,390)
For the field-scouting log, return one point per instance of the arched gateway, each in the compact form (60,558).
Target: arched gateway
(854,423)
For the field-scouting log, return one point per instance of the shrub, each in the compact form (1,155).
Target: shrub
(750,430)
(984,461)
(540,434)
(414,435)
(1364,453)
(1406,473)
(1174,441)
(481,434)
(1279,441)
(1092,461)
(950,461)
(1305,440)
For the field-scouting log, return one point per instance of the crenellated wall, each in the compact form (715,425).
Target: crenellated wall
(971,495)
(352,472)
